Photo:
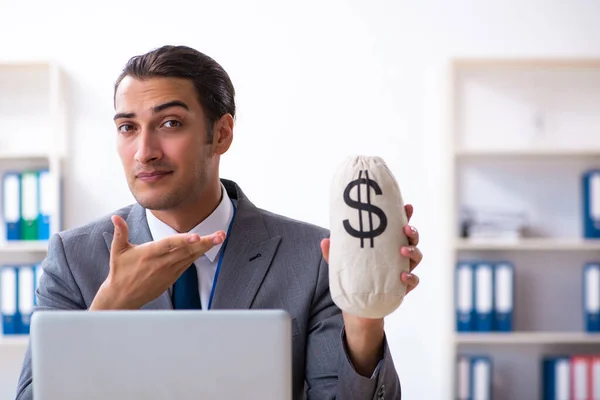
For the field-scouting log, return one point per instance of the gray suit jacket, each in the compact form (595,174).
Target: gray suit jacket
(271,262)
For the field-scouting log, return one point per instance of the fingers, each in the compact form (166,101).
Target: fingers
(188,247)
(411,281)
(121,235)
(201,244)
(185,241)
(325,249)
(409,209)
(411,251)
(414,254)
(412,234)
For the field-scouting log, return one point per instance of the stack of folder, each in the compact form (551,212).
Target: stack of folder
(27,204)
(474,378)
(575,377)
(18,285)
(484,299)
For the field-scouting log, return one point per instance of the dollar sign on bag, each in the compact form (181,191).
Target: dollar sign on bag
(371,233)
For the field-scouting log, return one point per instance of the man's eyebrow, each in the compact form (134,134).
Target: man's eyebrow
(156,109)
(174,103)
(123,115)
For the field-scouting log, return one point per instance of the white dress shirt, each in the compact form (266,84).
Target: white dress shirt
(206,265)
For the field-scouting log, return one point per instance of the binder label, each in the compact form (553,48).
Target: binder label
(481,380)
(46,193)
(595,197)
(504,284)
(592,289)
(26,290)
(8,279)
(463,384)
(465,289)
(30,205)
(484,289)
(12,212)
(596,379)
(580,372)
(562,389)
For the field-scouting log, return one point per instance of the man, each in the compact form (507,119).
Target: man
(174,119)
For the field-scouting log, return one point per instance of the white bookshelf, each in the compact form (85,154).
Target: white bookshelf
(33,136)
(522,134)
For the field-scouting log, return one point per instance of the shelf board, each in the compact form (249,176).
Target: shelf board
(526,63)
(525,153)
(15,156)
(26,63)
(528,338)
(545,244)
(24,247)
(14,340)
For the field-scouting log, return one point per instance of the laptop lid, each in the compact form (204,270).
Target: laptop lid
(162,354)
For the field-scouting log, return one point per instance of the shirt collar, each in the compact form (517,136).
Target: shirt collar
(219,219)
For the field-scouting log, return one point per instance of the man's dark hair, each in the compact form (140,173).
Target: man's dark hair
(213,85)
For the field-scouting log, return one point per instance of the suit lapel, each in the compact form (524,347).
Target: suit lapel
(139,233)
(248,255)
(245,264)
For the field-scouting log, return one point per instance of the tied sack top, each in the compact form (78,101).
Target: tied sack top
(367,217)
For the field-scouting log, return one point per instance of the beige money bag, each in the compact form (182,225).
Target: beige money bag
(367,217)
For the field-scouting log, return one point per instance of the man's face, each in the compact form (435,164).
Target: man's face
(162,141)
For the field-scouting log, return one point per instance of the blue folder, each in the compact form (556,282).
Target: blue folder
(11,201)
(464,297)
(591,297)
(481,377)
(26,296)
(45,202)
(8,300)
(484,296)
(504,281)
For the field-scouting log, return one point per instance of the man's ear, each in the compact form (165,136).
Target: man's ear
(222,134)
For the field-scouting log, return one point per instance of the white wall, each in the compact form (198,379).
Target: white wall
(315,81)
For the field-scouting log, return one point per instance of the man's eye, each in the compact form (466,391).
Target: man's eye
(172,123)
(125,128)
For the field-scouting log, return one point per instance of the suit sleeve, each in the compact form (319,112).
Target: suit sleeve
(329,371)
(57,290)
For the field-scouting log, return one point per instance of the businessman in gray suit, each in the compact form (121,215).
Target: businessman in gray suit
(194,241)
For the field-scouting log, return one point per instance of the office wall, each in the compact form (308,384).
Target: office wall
(316,81)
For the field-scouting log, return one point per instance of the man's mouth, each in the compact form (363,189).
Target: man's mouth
(152,176)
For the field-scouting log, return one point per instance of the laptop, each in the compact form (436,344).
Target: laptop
(162,354)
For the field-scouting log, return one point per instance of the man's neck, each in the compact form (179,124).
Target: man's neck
(186,217)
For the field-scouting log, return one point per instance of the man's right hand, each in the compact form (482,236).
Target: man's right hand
(141,273)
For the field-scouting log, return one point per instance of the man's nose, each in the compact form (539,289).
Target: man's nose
(148,147)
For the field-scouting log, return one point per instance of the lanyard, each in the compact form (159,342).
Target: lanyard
(212,291)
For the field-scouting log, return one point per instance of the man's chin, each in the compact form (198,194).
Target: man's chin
(155,203)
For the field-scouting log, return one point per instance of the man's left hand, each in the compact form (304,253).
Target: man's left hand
(364,336)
